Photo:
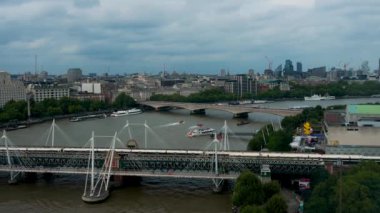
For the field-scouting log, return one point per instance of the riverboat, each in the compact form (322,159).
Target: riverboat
(119,113)
(200,132)
(87,117)
(318,98)
(134,111)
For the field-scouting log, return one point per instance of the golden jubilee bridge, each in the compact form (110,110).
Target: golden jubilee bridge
(99,164)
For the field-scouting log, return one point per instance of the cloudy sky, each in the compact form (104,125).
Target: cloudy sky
(195,36)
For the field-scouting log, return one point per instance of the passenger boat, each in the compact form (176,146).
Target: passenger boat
(200,132)
(318,98)
(134,111)
(87,117)
(119,113)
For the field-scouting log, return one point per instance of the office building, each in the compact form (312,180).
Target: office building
(288,68)
(73,75)
(299,67)
(10,89)
(42,92)
(94,88)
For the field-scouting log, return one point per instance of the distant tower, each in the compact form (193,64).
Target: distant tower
(288,69)
(251,73)
(222,72)
(299,67)
(74,74)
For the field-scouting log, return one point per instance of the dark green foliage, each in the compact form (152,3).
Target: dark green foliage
(13,110)
(124,101)
(49,107)
(252,209)
(248,190)
(279,141)
(276,204)
(338,89)
(358,190)
(260,139)
(271,189)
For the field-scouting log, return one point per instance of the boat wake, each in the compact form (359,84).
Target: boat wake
(171,124)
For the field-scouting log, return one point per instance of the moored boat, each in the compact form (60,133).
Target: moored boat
(318,98)
(119,113)
(134,111)
(87,117)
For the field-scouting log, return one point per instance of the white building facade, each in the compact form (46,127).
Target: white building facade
(42,92)
(10,89)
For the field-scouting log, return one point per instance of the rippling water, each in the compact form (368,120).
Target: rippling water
(63,193)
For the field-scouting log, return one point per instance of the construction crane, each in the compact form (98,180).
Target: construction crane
(269,62)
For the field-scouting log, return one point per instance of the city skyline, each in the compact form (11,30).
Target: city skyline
(187,36)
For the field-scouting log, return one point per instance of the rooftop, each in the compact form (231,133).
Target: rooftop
(364,109)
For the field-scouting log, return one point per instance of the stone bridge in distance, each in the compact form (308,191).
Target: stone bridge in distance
(238,111)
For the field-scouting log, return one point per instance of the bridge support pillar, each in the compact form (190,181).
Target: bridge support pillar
(218,185)
(241,115)
(198,112)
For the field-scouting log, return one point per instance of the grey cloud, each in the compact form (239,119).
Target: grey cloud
(189,35)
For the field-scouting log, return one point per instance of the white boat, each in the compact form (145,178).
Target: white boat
(200,132)
(119,113)
(134,111)
(319,98)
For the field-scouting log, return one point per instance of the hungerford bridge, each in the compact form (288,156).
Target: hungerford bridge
(237,110)
(100,164)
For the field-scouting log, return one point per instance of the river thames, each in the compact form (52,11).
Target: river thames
(63,193)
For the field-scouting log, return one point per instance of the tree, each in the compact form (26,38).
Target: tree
(358,190)
(270,189)
(276,204)
(279,141)
(248,190)
(123,101)
(252,209)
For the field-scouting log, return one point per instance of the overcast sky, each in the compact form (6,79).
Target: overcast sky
(198,36)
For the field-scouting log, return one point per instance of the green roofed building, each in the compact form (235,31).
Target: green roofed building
(355,113)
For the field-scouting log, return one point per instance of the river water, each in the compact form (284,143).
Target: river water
(63,192)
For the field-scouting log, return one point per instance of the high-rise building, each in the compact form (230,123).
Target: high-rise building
(10,89)
(251,73)
(240,85)
(74,74)
(288,68)
(278,71)
(378,71)
(222,72)
(299,67)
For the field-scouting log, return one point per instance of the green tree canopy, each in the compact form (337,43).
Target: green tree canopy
(248,190)
(124,101)
(276,204)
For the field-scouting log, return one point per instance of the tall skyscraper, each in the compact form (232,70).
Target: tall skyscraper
(222,72)
(288,68)
(299,67)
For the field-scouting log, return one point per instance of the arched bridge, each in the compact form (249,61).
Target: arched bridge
(237,110)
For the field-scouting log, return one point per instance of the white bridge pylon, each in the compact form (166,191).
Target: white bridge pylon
(12,174)
(97,182)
